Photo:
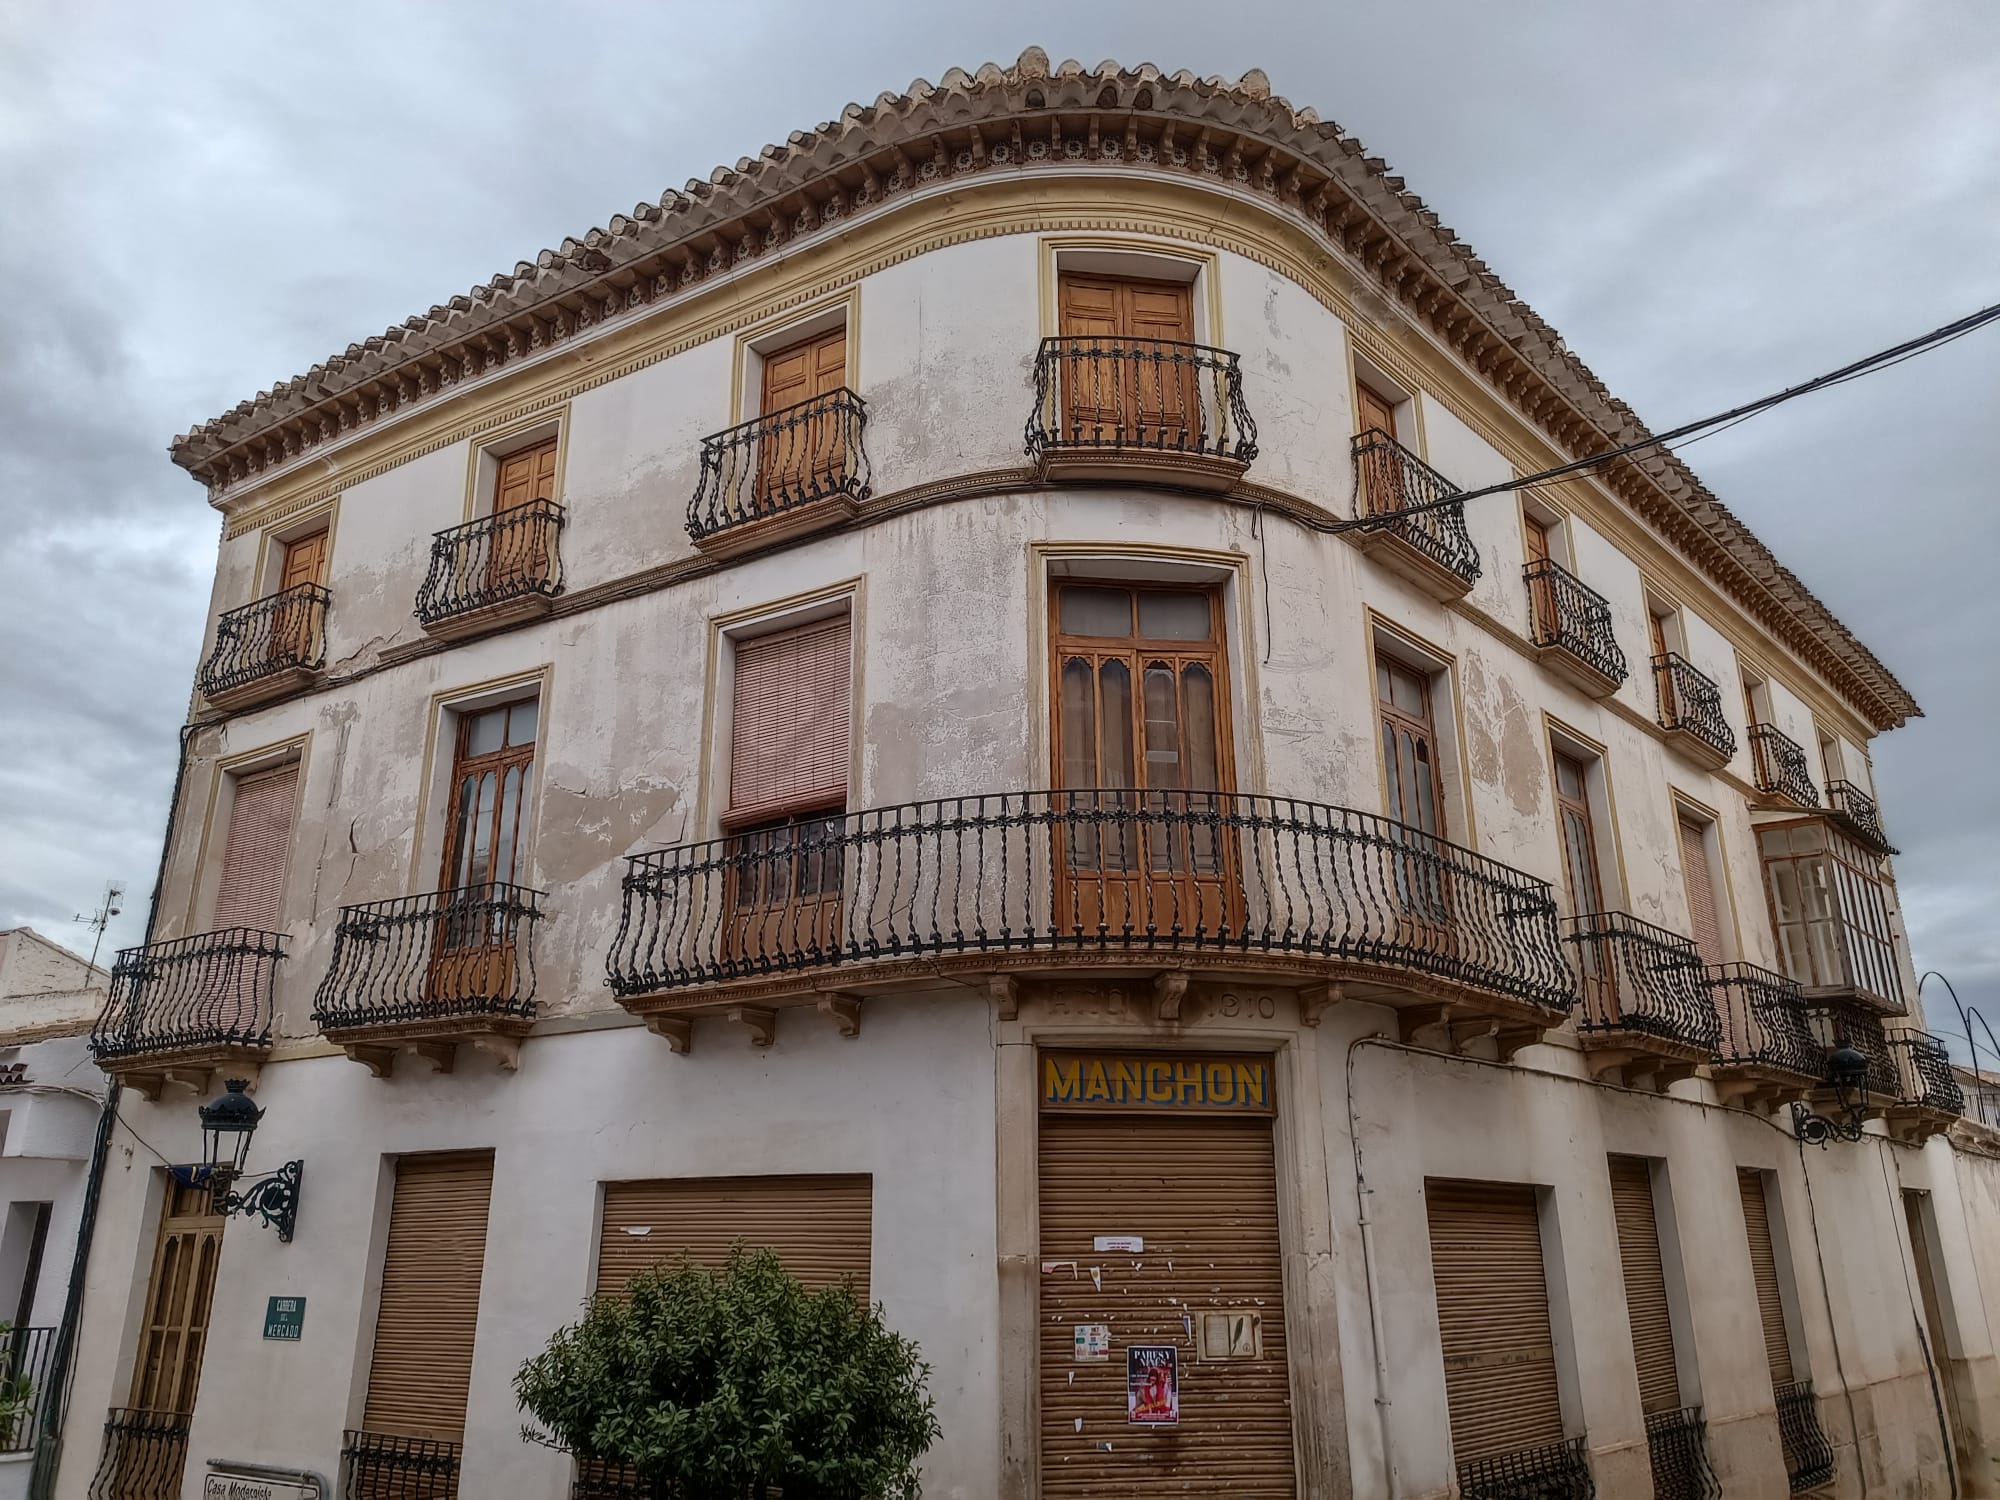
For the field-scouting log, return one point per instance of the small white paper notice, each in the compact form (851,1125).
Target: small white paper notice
(1093,1344)
(1131,1244)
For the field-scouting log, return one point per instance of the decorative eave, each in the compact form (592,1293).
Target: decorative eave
(1019,118)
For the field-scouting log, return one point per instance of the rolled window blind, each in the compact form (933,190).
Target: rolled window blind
(789,750)
(253,858)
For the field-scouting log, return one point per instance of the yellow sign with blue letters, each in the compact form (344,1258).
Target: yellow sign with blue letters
(1158,1083)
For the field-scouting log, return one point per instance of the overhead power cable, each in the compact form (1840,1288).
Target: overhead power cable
(1688,431)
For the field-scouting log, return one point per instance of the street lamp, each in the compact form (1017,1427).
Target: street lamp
(227,1123)
(1847,1071)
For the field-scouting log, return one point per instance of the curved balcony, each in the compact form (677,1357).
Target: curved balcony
(1164,884)
(1570,625)
(1429,547)
(1646,1007)
(1931,1098)
(1854,810)
(492,571)
(1910,1084)
(782,474)
(1766,1053)
(421,974)
(1780,767)
(1690,710)
(1137,409)
(188,1010)
(267,649)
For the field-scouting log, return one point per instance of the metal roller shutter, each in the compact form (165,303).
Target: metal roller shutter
(421,1373)
(1645,1283)
(253,858)
(789,746)
(1493,1317)
(1203,1194)
(1764,1269)
(820,1226)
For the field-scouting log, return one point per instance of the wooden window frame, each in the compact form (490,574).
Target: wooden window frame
(1859,893)
(1577,807)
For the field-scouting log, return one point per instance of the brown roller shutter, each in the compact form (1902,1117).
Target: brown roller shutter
(254,856)
(1764,1269)
(789,749)
(1493,1317)
(421,1373)
(820,1226)
(1700,891)
(1203,1194)
(1645,1283)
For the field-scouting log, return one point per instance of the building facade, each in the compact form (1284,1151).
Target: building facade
(849,709)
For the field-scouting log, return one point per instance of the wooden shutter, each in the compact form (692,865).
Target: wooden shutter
(305,561)
(1111,308)
(1203,1195)
(1645,1283)
(1764,1270)
(1376,411)
(814,367)
(421,1374)
(178,1298)
(789,749)
(527,475)
(256,850)
(1493,1318)
(1700,881)
(821,1227)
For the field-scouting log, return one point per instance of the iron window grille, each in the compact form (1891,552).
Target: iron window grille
(1763,1020)
(511,554)
(143,1456)
(1923,1070)
(443,955)
(1856,811)
(1677,1444)
(1808,1455)
(1105,870)
(811,450)
(1153,395)
(1690,700)
(1567,613)
(1558,1471)
(25,1354)
(1390,479)
(387,1466)
(209,990)
(1642,978)
(597,1479)
(281,632)
(1781,766)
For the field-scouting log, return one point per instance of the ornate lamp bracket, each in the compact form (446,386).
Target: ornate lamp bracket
(272,1198)
(1818,1130)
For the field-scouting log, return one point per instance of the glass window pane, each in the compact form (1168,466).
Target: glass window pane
(1382,681)
(1096,612)
(1427,813)
(1393,771)
(1198,713)
(1079,724)
(521,722)
(1114,686)
(488,732)
(1569,778)
(1409,692)
(1173,617)
(1163,727)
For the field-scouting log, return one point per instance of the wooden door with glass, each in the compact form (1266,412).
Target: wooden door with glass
(1382,473)
(1414,783)
(492,784)
(1128,371)
(1143,769)
(1585,886)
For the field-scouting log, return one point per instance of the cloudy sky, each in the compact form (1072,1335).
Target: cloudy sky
(1709,200)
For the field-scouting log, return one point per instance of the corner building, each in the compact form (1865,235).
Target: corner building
(838,710)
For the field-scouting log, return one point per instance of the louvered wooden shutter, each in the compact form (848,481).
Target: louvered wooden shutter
(256,851)
(1764,1270)
(1645,1283)
(421,1374)
(305,561)
(1203,1194)
(821,1227)
(1493,1317)
(1700,891)
(528,475)
(789,749)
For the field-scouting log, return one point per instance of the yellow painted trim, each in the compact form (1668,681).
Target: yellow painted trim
(1375,624)
(444,700)
(775,326)
(293,748)
(559,418)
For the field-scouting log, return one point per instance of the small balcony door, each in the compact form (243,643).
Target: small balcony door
(1415,796)
(518,554)
(1382,475)
(1582,880)
(1142,753)
(492,781)
(805,454)
(1128,379)
(292,630)
(1548,621)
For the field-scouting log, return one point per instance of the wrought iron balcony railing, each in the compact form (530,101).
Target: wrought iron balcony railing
(387,1466)
(188,994)
(1567,614)
(25,1354)
(598,1480)
(143,1456)
(1677,1444)
(773,465)
(1117,870)
(440,956)
(1389,479)
(1763,1021)
(1641,978)
(1689,700)
(1855,811)
(1557,1471)
(282,632)
(1923,1071)
(1781,767)
(512,556)
(1847,1023)
(1145,396)
(1808,1455)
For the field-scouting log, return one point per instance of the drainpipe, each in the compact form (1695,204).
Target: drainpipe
(1363,1195)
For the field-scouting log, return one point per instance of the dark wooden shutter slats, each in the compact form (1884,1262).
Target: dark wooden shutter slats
(255,852)
(789,747)
(821,1227)
(1764,1269)
(1645,1283)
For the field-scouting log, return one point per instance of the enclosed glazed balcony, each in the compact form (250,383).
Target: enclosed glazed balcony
(188,1010)
(1855,811)
(1690,709)
(1139,409)
(1646,1007)
(1831,913)
(1422,536)
(1766,1053)
(1326,900)
(267,649)
(421,974)
(790,471)
(493,570)
(1570,625)
(1782,772)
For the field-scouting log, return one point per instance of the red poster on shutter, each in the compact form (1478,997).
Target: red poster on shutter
(1152,1385)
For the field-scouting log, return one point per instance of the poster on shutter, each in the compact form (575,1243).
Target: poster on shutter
(1093,1343)
(1152,1385)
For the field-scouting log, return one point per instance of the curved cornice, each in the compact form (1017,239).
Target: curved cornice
(1015,120)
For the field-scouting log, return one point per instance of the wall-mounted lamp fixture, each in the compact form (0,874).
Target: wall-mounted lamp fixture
(1847,1071)
(227,1124)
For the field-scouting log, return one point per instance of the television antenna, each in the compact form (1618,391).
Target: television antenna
(112,904)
